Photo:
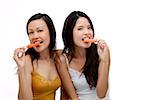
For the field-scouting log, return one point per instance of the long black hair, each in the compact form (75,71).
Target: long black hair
(52,34)
(90,68)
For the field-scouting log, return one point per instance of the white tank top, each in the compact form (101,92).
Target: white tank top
(83,89)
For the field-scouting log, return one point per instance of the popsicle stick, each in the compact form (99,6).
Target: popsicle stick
(20,54)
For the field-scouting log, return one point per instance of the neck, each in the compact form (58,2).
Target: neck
(44,55)
(80,52)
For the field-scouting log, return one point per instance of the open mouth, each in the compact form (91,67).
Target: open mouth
(41,42)
(35,44)
(88,40)
(38,42)
(84,38)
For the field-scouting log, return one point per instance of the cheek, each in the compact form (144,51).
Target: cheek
(30,38)
(92,34)
(46,37)
(76,38)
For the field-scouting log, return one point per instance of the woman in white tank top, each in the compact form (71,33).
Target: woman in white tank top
(84,63)
(83,89)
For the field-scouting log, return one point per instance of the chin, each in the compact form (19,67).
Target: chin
(87,46)
(39,50)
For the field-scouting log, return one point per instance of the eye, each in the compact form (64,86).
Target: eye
(30,32)
(79,29)
(89,27)
(40,31)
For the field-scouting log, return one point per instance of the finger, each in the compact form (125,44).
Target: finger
(19,53)
(16,53)
(102,43)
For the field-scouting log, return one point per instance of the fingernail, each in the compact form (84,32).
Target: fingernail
(20,54)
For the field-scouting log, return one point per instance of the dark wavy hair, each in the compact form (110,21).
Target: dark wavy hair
(90,68)
(52,33)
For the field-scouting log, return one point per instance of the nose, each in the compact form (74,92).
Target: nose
(35,39)
(34,36)
(87,33)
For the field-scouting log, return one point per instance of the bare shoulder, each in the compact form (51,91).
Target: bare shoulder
(59,50)
(62,61)
(60,55)
(62,58)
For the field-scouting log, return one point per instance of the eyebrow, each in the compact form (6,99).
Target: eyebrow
(38,27)
(83,26)
(79,26)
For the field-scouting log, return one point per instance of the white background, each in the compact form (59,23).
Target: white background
(123,24)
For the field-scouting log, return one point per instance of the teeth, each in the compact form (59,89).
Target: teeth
(37,42)
(41,42)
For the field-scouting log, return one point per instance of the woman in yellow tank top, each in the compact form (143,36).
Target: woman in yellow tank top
(37,73)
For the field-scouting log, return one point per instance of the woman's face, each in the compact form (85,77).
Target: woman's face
(39,34)
(82,30)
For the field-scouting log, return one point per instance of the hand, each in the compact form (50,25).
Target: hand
(102,49)
(19,57)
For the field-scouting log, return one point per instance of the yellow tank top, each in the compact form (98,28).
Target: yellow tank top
(44,89)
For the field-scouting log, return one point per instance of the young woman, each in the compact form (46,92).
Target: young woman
(84,66)
(38,77)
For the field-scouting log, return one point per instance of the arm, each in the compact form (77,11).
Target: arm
(64,95)
(65,78)
(103,71)
(24,74)
(19,95)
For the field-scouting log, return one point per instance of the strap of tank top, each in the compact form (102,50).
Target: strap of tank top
(67,61)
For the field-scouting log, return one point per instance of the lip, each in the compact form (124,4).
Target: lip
(85,38)
(89,40)
(37,41)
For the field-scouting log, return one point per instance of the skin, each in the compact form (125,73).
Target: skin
(81,30)
(38,31)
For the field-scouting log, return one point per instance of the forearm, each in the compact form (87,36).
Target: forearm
(65,77)
(102,84)
(24,85)
(64,95)
(19,95)
(68,86)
